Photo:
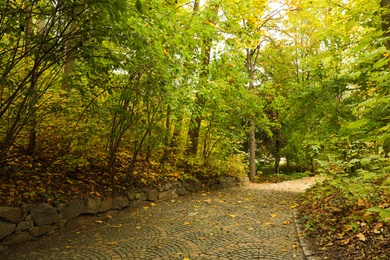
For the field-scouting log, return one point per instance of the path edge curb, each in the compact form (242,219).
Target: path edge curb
(309,255)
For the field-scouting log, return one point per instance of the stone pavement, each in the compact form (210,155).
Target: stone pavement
(235,223)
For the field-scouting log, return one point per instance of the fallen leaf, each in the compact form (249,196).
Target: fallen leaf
(202,238)
(361,237)
(294,206)
(250,228)
(111,243)
(233,216)
(186,223)
(67,247)
(153,204)
(99,221)
(286,223)
(272,215)
(158,246)
(137,227)
(117,226)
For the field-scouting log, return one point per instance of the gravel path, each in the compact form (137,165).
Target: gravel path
(255,222)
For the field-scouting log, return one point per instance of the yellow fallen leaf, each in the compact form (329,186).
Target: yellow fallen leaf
(158,246)
(145,208)
(186,223)
(153,204)
(186,258)
(98,194)
(111,243)
(294,206)
(67,247)
(233,216)
(117,226)
(109,216)
(286,223)
(99,221)
(137,227)
(361,237)
(272,215)
(202,238)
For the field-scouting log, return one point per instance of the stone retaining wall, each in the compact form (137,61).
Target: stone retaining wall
(19,224)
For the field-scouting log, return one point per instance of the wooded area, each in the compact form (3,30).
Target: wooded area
(102,96)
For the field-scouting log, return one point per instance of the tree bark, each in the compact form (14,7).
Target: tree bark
(385,5)
(194,131)
(250,63)
(167,134)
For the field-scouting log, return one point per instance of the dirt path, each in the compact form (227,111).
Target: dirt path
(299,185)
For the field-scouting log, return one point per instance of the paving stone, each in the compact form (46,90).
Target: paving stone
(38,231)
(74,209)
(23,226)
(44,214)
(192,186)
(106,205)
(6,228)
(119,202)
(92,205)
(153,195)
(16,239)
(11,214)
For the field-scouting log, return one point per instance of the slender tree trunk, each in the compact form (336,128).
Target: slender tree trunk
(385,4)
(70,46)
(167,134)
(250,64)
(33,96)
(277,155)
(252,151)
(194,131)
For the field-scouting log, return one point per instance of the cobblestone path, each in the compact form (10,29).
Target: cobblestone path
(237,223)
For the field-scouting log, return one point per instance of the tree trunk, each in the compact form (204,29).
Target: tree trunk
(70,48)
(167,134)
(32,140)
(194,131)
(252,151)
(385,4)
(33,122)
(250,63)
(277,155)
